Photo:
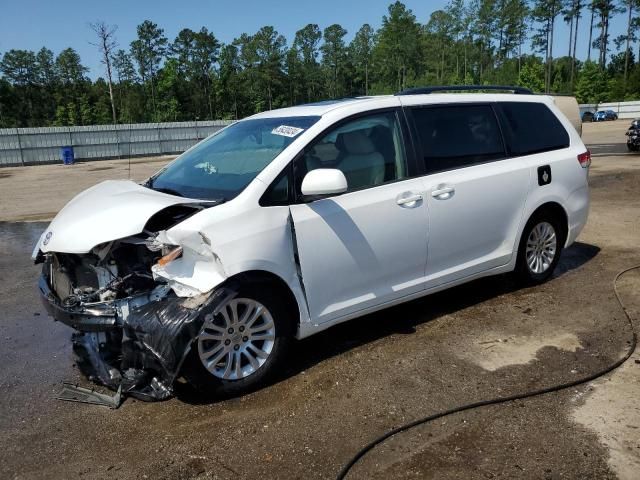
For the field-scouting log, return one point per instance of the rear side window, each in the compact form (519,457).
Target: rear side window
(532,128)
(458,136)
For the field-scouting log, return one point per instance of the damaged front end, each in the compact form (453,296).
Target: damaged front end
(135,319)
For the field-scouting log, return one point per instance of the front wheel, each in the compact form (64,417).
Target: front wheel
(539,250)
(240,348)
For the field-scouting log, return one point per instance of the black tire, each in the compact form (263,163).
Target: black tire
(631,148)
(523,271)
(212,386)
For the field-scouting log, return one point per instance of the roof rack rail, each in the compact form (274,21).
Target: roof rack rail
(465,88)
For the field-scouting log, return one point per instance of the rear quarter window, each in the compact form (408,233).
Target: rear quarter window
(531,128)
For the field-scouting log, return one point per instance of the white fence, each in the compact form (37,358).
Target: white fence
(31,146)
(623,109)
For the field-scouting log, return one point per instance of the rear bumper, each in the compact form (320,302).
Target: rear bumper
(98,318)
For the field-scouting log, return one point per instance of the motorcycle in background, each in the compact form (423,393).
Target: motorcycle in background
(633,136)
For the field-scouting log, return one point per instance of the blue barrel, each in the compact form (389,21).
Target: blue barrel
(66,155)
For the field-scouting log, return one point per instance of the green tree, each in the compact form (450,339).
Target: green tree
(361,54)
(545,12)
(484,27)
(148,50)
(605,9)
(398,51)
(20,68)
(592,84)
(532,76)
(230,80)
(511,27)
(73,82)
(70,68)
(306,45)
(633,22)
(9,105)
(439,33)
(126,79)
(334,57)
(572,13)
(169,83)
(197,54)
(270,50)
(620,62)
(295,75)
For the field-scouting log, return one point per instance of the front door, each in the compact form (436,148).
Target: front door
(369,245)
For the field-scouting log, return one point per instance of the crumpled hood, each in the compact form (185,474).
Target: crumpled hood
(108,211)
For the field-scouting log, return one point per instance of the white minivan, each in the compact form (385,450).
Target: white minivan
(293,220)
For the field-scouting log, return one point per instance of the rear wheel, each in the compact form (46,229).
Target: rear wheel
(241,347)
(540,248)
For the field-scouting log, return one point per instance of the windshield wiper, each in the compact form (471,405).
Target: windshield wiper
(170,191)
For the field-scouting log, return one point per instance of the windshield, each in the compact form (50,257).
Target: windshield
(220,167)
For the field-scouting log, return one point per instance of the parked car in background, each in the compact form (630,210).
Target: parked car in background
(588,116)
(304,218)
(604,115)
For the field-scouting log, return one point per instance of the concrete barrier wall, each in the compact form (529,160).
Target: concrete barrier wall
(32,146)
(623,109)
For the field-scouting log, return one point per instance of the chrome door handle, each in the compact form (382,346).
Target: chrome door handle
(410,199)
(443,193)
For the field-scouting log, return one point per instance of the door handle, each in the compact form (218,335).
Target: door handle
(416,197)
(443,193)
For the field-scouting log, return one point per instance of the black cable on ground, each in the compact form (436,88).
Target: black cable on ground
(421,421)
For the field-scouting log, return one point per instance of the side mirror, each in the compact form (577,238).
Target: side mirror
(324,181)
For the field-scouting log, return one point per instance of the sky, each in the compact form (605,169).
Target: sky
(32,24)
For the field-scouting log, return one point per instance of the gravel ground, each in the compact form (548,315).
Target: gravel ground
(355,381)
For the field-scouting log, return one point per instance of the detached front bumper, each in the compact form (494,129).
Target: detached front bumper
(97,318)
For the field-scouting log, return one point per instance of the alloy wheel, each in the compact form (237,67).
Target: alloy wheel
(237,341)
(542,246)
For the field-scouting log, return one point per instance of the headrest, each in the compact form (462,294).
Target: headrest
(325,152)
(356,143)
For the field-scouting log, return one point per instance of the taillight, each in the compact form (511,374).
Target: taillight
(585,159)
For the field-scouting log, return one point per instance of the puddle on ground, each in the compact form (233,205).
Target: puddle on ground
(494,352)
(19,238)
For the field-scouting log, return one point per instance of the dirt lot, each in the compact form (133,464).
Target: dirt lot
(356,381)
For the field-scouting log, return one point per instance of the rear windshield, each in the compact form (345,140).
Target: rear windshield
(532,128)
(221,166)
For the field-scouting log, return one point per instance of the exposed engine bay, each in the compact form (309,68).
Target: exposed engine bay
(110,272)
(134,326)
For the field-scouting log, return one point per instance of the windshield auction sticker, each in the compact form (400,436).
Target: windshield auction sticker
(287,131)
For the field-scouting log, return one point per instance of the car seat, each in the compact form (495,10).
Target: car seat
(361,163)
